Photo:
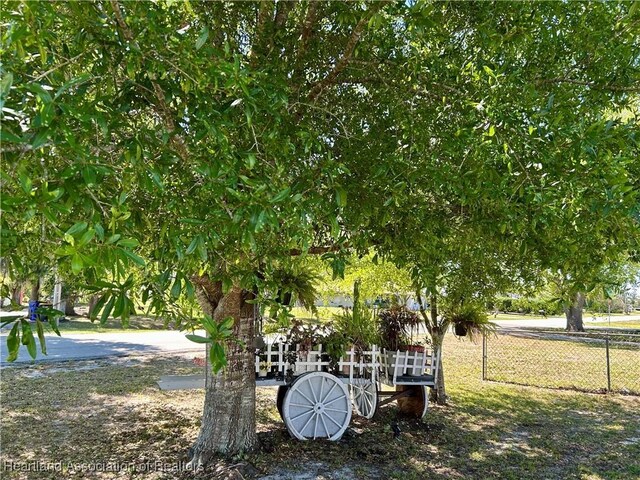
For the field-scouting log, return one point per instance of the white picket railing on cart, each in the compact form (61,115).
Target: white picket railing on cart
(409,368)
(395,368)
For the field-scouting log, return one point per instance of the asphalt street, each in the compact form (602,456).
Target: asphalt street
(107,345)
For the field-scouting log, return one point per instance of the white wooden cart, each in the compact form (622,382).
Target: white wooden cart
(315,403)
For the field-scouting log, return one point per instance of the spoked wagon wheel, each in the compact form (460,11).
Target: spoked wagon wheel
(282,391)
(364,394)
(415,404)
(317,406)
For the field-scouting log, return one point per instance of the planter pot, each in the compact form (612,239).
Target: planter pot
(389,364)
(416,360)
(308,359)
(262,373)
(416,363)
(460,330)
(346,369)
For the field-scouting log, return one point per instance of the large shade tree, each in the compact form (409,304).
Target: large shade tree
(212,145)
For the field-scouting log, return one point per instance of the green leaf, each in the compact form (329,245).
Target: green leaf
(128,243)
(13,343)
(136,258)
(93,313)
(40,91)
(202,250)
(107,310)
(209,325)
(217,357)
(193,245)
(77,228)
(281,196)
(6,320)
(7,136)
(341,197)
(89,175)
(113,239)
(54,326)
(204,34)
(250,161)
(199,339)
(40,330)
(75,81)
(5,84)
(119,305)
(25,182)
(227,323)
(40,138)
(175,289)
(86,237)
(76,264)
(28,339)
(99,231)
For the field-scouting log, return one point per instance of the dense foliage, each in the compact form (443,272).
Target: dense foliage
(202,144)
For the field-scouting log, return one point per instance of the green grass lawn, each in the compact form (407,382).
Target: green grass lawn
(323,313)
(96,411)
(564,361)
(633,324)
(84,325)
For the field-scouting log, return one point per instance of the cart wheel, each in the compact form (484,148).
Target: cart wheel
(417,404)
(364,395)
(282,391)
(317,406)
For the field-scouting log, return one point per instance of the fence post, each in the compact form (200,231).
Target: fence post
(484,356)
(606,344)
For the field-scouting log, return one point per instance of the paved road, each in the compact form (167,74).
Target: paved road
(561,322)
(104,345)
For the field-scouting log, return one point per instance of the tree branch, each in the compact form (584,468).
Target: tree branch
(317,89)
(161,104)
(319,250)
(307,29)
(53,69)
(282,12)
(258,47)
(209,289)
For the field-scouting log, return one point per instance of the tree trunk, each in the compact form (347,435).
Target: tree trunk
(16,295)
(35,289)
(437,337)
(70,305)
(93,300)
(439,392)
(574,314)
(228,421)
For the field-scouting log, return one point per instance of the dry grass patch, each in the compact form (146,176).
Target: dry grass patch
(93,411)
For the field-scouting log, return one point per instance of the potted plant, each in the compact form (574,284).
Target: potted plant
(265,368)
(304,337)
(357,326)
(335,347)
(397,326)
(469,320)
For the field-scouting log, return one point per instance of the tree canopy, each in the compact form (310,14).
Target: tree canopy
(201,141)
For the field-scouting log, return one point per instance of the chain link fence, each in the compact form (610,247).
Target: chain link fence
(599,361)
